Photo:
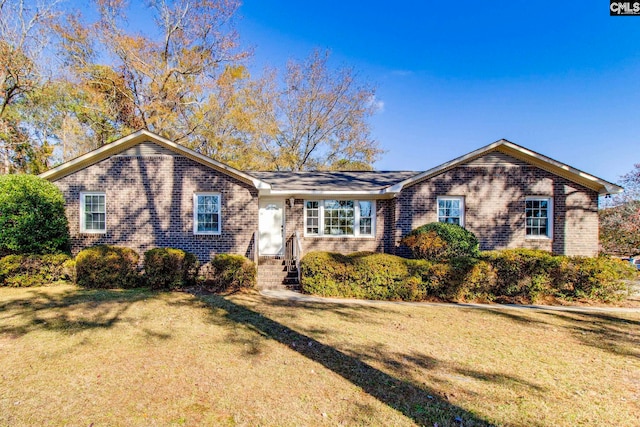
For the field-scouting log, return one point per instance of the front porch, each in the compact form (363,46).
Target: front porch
(281,271)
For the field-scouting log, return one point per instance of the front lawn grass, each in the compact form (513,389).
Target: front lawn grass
(70,356)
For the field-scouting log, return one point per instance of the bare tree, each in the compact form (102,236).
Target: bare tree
(156,83)
(24,31)
(322,118)
(620,221)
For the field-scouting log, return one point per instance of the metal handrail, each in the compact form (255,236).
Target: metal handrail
(255,246)
(298,253)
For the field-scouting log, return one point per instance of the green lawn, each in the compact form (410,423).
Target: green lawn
(80,357)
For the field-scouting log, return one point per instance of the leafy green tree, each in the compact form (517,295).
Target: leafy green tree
(32,216)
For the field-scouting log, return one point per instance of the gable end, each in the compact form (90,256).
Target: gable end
(146,148)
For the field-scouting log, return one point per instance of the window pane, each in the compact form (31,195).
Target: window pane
(208,217)
(365,226)
(366,217)
(537,217)
(339,217)
(450,211)
(208,204)
(365,209)
(313,216)
(94,212)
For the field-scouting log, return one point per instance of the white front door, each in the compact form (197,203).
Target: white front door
(271,227)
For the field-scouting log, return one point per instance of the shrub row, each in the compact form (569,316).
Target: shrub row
(523,276)
(164,268)
(105,266)
(168,268)
(36,270)
(360,275)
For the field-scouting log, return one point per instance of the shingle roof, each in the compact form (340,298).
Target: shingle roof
(333,181)
(383,183)
(135,139)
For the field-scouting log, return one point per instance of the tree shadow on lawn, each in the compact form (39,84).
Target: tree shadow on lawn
(616,335)
(422,405)
(408,364)
(349,312)
(605,331)
(69,311)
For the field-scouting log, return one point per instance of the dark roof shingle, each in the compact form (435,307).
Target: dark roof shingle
(333,181)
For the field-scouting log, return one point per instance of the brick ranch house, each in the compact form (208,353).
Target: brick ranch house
(144,191)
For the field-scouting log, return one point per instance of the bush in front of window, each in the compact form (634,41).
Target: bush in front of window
(228,273)
(169,268)
(379,276)
(521,276)
(438,241)
(32,216)
(325,274)
(367,275)
(106,267)
(22,270)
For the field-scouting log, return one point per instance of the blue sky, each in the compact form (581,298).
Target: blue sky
(559,78)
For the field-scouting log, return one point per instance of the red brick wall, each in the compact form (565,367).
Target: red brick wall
(150,204)
(494,193)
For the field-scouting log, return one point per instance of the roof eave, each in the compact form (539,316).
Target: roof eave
(576,175)
(377,194)
(597,184)
(135,138)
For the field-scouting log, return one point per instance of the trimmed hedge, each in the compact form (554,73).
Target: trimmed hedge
(534,274)
(367,275)
(227,273)
(520,275)
(105,266)
(36,270)
(438,241)
(33,217)
(169,268)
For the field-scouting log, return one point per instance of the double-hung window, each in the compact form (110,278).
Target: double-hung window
(206,213)
(451,210)
(312,217)
(366,217)
(93,212)
(338,218)
(538,217)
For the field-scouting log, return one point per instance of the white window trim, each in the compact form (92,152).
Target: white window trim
(462,207)
(195,214)
(356,222)
(83,227)
(549,235)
